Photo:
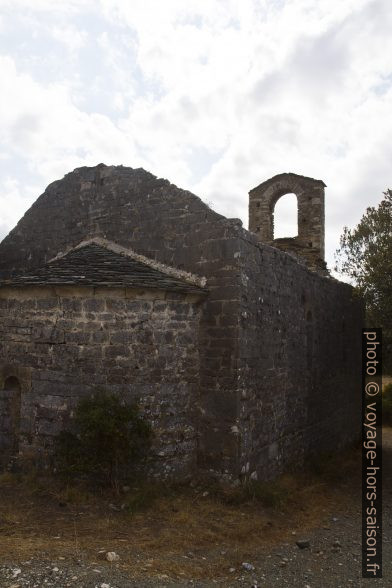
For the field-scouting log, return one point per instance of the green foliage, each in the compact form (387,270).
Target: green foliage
(387,405)
(68,450)
(365,256)
(109,437)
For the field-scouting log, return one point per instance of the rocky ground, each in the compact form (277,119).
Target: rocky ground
(313,541)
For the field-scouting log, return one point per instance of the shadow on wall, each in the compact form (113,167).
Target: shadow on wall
(10,403)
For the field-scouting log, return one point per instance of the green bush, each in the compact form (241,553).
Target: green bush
(108,438)
(387,405)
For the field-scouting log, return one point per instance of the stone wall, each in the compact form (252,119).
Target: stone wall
(154,218)
(278,344)
(65,343)
(299,362)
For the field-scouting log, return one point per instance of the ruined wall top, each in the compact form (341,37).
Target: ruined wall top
(309,243)
(155,218)
(130,207)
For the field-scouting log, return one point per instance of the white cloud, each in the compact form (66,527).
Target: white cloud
(52,6)
(42,123)
(14,200)
(70,36)
(215,95)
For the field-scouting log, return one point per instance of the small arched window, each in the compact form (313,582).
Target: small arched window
(12,384)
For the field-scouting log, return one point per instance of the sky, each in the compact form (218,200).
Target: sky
(214,95)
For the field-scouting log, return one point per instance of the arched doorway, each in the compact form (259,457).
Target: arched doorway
(10,399)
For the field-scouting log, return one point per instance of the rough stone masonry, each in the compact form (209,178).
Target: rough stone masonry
(243,356)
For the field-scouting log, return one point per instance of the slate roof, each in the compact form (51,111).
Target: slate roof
(94,265)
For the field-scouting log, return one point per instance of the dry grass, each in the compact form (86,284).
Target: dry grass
(159,526)
(386,380)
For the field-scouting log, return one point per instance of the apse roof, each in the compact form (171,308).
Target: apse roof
(93,264)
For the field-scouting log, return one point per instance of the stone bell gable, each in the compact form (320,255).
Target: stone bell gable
(309,243)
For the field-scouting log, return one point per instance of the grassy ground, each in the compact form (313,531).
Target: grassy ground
(164,531)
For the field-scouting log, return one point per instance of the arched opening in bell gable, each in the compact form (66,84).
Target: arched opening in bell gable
(285,217)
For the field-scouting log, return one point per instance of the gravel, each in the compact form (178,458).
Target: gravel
(328,557)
